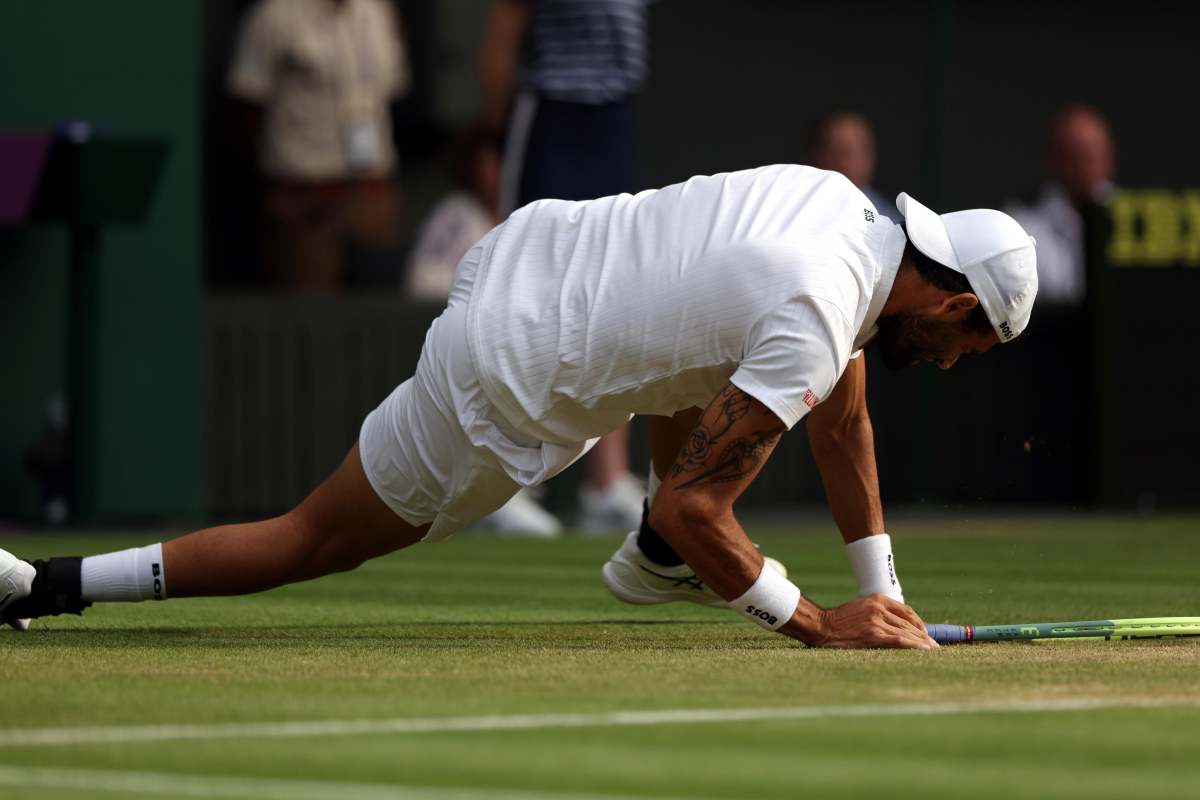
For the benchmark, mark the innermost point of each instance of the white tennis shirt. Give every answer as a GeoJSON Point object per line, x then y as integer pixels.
{"type": "Point", "coordinates": [584, 313]}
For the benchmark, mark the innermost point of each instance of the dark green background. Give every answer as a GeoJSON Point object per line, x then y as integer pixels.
{"type": "Point", "coordinates": [131, 67]}
{"type": "Point", "coordinates": [960, 94]}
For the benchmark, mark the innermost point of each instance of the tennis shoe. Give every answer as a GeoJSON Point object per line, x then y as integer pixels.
{"type": "Point", "coordinates": [16, 582]}
{"type": "Point", "coordinates": [633, 578]}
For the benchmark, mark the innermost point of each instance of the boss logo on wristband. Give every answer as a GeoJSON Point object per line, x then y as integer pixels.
{"type": "Point", "coordinates": [770, 602]}
{"type": "Point", "coordinates": [765, 616]}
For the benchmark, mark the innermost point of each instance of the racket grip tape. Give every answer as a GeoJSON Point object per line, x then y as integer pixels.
{"type": "Point", "coordinates": [950, 634]}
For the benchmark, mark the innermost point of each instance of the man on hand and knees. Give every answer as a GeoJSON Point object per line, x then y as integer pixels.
{"type": "Point", "coordinates": [748, 294]}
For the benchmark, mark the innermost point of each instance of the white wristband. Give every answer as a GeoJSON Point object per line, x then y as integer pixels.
{"type": "Point", "coordinates": [770, 602]}
{"type": "Point", "coordinates": [875, 567]}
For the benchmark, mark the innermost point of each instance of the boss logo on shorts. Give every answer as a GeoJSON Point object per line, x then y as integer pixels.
{"type": "Point", "coordinates": [765, 616]}
{"type": "Point", "coordinates": [156, 571]}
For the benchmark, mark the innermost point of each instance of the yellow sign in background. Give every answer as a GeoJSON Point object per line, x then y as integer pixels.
{"type": "Point", "coordinates": [1155, 228]}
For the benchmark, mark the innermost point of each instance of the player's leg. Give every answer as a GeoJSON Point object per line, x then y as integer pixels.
{"type": "Point", "coordinates": [339, 526]}
{"type": "Point", "coordinates": [336, 528]}
{"type": "Point", "coordinates": [427, 475]}
{"type": "Point", "coordinates": [667, 436]}
{"type": "Point", "coordinates": [646, 569]}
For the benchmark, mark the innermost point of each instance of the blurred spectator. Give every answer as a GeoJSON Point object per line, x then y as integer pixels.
{"type": "Point", "coordinates": [844, 142]}
{"type": "Point", "coordinates": [564, 74]}
{"type": "Point", "coordinates": [459, 220]}
{"type": "Point", "coordinates": [1080, 160]}
{"type": "Point", "coordinates": [316, 78]}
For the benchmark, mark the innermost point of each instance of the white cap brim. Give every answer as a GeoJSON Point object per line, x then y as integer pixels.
{"type": "Point", "coordinates": [990, 248]}
{"type": "Point", "coordinates": [927, 232]}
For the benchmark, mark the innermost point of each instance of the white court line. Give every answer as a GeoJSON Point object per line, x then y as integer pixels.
{"type": "Point", "coordinates": [34, 737]}
{"type": "Point", "coordinates": [96, 780]}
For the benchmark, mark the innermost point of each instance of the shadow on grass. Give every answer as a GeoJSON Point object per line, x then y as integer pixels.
{"type": "Point", "coordinates": [560, 623]}
{"type": "Point", "coordinates": [443, 634]}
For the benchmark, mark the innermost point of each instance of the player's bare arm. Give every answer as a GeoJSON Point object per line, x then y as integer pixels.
{"type": "Point", "coordinates": [739, 456]}
{"type": "Point", "coordinates": [694, 507]}
{"type": "Point", "coordinates": [843, 445]}
{"type": "Point", "coordinates": [693, 510]}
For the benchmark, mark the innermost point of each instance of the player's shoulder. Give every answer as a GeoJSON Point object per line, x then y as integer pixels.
{"type": "Point", "coordinates": [803, 269]}
{"type": "Point", "coordinates": [775, 185]}
{"type": "Point", "coordinates": [820, 193]}
{"type": "Point", "coordinates": [802, 254]}
{"type": "Point", "coordinates": [826, 180]}
{"type": "Point", "coordinates": [784, 172]}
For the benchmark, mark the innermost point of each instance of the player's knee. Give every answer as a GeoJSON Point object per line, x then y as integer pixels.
{"type": "Point", "coordinates": [301, 536]}
{"type": "Point", "coordinates": [339, 557]}
{"type": "Point", "coordinates": [319, 545]}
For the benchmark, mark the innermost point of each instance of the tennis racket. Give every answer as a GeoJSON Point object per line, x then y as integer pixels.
{"type": "Point", "coordinates": [1144, 628]}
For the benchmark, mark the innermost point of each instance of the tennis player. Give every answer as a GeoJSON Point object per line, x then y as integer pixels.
{"type": "Point", "coordinates": [727, 308]}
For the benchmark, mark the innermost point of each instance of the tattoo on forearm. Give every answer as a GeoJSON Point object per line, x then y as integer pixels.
{"type": "Point", "coordinates": [737, 457]}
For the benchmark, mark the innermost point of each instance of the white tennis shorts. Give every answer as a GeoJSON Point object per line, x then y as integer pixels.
{"type": "Point", "coordinates": [436, 450]}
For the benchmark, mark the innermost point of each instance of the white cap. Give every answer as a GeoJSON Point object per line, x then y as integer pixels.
{"type": "Point", "coordinates": [987, 246]}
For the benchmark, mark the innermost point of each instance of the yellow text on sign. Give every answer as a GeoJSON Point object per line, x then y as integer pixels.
{"type": "Point", "coordinates": [1155, 228]}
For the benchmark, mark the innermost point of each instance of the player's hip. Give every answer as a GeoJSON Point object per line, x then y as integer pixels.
{"type": "Point", "coordinates": [438, 451]}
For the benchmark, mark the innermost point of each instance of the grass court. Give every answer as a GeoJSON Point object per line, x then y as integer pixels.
{"type": "Point", "coordinates": [492, 668]}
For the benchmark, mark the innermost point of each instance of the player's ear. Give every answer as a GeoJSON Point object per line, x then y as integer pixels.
{"type": "Point", "coordinates": [956, 307]}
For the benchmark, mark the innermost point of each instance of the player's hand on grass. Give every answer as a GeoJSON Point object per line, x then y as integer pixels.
{"type": "Point", "coordinates": [872, 621]}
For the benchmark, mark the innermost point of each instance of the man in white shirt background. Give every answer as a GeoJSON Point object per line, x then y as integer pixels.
{"type": "Point", "coordinates": [314, 79]}
{"type": "Point", "coordinates": [1080, 163]}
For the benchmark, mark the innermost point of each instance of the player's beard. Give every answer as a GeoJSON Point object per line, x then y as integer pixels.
{"type": "Point", "coordinates": [906, 339]}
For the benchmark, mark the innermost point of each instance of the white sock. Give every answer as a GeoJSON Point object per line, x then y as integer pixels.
{"type": "Point", "coordinates": [128, 575]}
{"type": "Point", "coordinates": [875, 567]}
{"type": "Point", "coordinates": [652, 483]}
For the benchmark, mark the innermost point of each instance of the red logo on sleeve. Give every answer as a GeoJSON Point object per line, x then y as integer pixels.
{"type": "Point", "coordinates": [810, 398]}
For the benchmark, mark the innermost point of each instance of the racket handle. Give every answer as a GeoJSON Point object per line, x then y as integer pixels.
{"type": "Point", "coordinates": [949, 634]}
